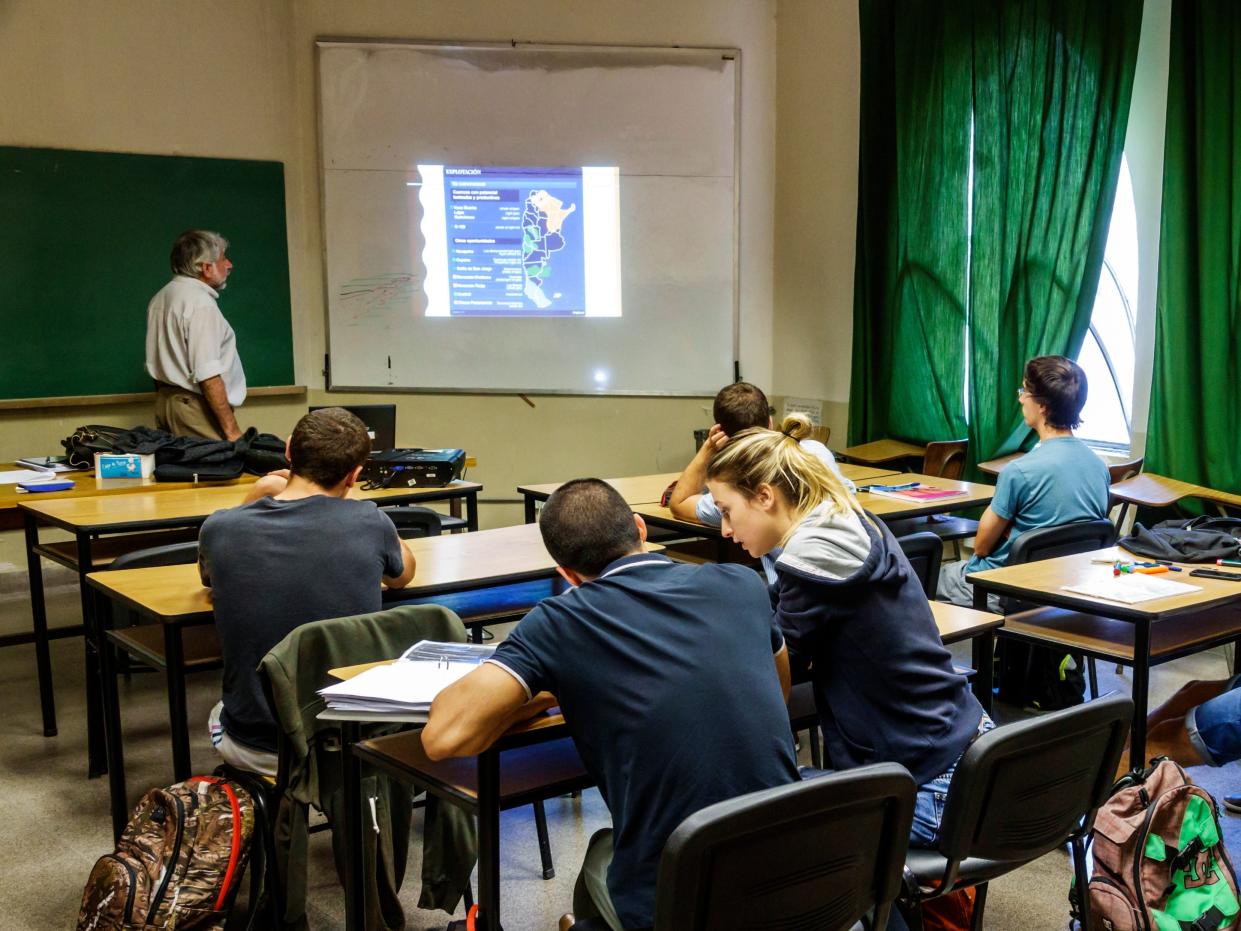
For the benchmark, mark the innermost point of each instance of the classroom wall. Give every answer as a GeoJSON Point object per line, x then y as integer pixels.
{"type": "Point", "coordinates": [236, 79]}
{"type": "Point", "coordinates": [817, 88]}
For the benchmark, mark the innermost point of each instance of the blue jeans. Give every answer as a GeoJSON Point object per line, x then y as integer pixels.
{"type": "Point", "coordinates": [1214, 727]}
{"type": "Point", "coordinates": [929, 802]}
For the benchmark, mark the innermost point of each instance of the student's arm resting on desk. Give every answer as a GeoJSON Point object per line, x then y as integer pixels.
{"type": "Point", "coordinates": [216, 396]}
{"type": "Point", "coordinates": [270, 484]}
{"type": "Point", "coordinates": [684, 501]}
{"type": "Point", "coordinates": [468, 716]}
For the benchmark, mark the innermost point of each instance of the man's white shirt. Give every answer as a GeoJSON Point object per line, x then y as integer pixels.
{"type": "Point", "coordinates": [189, 341]}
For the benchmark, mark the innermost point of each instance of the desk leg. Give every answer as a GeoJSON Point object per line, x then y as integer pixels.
{"type": "Point", "coordinates": [471, 511]}
{"type": "Point", "coordinates": [489, 840]}
{"type": "Point", "coordinates": [114, 744]}
{"type": "Point", "coordinates": [38, 609]}
{"type": "Point", "coordinates": [983, 647]}
{"type": "Point", "coordinates": [1141, 689]}
{"type": "Point", "coordinates": [355, 856]}
{"type": "Point", "coordinates": [97, 763]}
{"type": "Point", "coordinates": [531, 512]}
{"type": "Point", "coordinates": [174, 670]}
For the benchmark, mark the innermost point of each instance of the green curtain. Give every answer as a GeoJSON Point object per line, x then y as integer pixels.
{"type": "Point", "coordinates": [1194, 433]}
{"type": "Point", "coordinates": [909, 294]}
{"type": "Point", "coordinates": [1038, 94]}
{"type": "Point", "coordinates": [1052, 83]}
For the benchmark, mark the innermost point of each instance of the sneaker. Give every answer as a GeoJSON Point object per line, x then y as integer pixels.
{"type": "Point", "coordinates": [1233, 803]}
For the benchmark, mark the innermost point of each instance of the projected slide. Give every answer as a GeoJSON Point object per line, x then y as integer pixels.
{"type": "Point", "coordinates": [520, 242]}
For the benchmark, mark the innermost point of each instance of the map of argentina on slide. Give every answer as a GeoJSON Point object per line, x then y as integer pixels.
{"type": "Point", "coordinates": [519, 241]}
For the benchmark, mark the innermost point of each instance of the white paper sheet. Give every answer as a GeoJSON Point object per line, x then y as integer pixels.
{"type": "Point", "coordinates": [1131, 588]}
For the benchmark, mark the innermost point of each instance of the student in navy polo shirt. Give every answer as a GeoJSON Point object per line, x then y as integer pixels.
{"type": "Point", "coordinates": [851, 608]}
{"type": "Point", "coordinates": [672, 679]}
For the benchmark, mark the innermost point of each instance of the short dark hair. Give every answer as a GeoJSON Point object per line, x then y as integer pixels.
{"type": "Point", "coordinates": [327, 445]}
{"type": "Point", "coordinates": [740, 406]}
{"type": "Point", "coordinates": [1059, 384]}
{"type": "Point", "coordinates": [586, 525]}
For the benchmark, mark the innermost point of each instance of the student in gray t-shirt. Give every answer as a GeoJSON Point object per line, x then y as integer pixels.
{"type": "Point", "coordinates": [304, 552]}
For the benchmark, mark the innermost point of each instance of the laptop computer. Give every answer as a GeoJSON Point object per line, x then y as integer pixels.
{"type": "Point", "coordinates": [380, 420]}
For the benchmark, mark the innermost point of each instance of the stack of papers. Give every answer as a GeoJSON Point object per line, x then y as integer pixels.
{"type": "Point", "coordinates": [1131, 588]}
{"type": "Point", "coordinates": [13, 476]}
{"type": "Point", "coordinates": [409, 685]}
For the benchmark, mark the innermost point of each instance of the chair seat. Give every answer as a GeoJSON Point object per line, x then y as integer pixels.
{"type": "Point", "coordinates": [928, 867]}
{"type": "Point", "coordinates": [802, 710]}
{"type": "Point", "coordinates": [944, 527]}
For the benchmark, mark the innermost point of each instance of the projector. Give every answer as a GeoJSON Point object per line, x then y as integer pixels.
{"type": "Point", "coordinates": [413, 468]}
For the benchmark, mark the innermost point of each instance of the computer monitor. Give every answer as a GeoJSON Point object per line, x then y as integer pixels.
{"type": "Point", "coordinates": [380, 420]}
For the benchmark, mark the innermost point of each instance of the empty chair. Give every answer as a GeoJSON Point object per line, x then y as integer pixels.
{"type": "Point", "coordinates": [1019, 792]}
{"type": "Point", "coordinates": [413, 523]}
{"type": "Point", "coordinates": [819, 854]}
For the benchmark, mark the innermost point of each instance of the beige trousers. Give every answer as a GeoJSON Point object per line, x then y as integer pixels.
{"type": "Point", "coordinates": [184, 413]}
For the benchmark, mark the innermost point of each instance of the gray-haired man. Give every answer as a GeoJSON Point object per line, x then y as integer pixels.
{"type": "Point", "coordinates": [191, 350]}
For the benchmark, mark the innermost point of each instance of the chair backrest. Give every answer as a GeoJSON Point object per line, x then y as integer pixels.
{"type": "Point", "coordinates": [816, 854]}
{"type": "Point", "coordinates": [414, 522]}
{"type": "Point", "coordinates": [822, 434]}
{"type": "Point", "coordinates": [945, 458]}
{"type": "Point", "coordinates": [925, 551]}
{"type": "Point", "coordinates": [1065, 540]}
{"type": "Point", "coordinates": [172, 554]}
{"type": "Point", "coordinates": [1119, 471]}
{"type": "Point", "coordinates": [1026, 788]}
{"type": "Point", "coordinates": [297, 667]}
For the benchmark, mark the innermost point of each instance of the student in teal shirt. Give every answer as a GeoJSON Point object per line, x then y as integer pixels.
{"type": "Point", "coordinates": [1060, 481]}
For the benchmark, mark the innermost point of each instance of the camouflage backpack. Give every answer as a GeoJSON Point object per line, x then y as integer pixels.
{"type": "Point", "coordinates": [177, 862]}
{"type": "Point", "coordinates": [1159, 857]}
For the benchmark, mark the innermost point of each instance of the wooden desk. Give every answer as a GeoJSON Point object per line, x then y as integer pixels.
{"type": "Point", "coordinates": [885, 508]}
{"type": "Point", "coordinates": [175, 597]}
{"type": "Point", "coordinates": [994, 467]}
{"type": "Point", "coordinates": [90, 517]}
{"type": "Point", "coordinates": [861, 473]}
{"type": "Point", "coordinates": [1173, 626]}
{"type": "Point", "coordinates": [636, 489]}
{"type": "Point", "coordinates": [881, 451]}
{"type": "Point", "coordinates": [85, 484]}
{"type": "Point", "coordinates": [1158, 491]}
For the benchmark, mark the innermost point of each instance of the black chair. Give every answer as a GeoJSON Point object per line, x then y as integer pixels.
{"type": "Point", "coordinates": [413, 523]}
{"type": "Point", "coordinates": [924, 552]}
{"type": "Point", "coordinates": [823, 854]}
{"type": "Point", "coordinates": [1019, 792]}
{"type": "Point", "coordinates": [1050, 542]}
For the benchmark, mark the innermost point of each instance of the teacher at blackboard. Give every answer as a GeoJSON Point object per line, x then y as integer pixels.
{"type": "Point", "coordinates": [191, 350]}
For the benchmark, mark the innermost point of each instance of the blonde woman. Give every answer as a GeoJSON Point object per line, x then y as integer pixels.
{"type": "Point", "coordinates": [852, 611]}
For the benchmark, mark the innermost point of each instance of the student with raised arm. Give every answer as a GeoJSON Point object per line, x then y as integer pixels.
{"type": "Point", "coordinates": [303, 553]}
{"type": "Point", "coordinates": [853, 611]}
{"type": "Point", "coordinates": [671, 677]}
{"type": "Point", "coordinates": [1060, 481]}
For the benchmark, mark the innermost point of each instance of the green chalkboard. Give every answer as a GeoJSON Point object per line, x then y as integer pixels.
{"type": "Point", "coordinates": [84, 243]}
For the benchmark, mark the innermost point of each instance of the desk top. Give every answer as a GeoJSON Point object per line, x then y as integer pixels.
{"type": "Point", "coordinates": [996, 466]}
{"type": "Point", "coordinates": [860, 473]}
{"type": "Point", "coordinates": [635, 489]}
{"type": "Point", "coordinates": [976, 495]}
{"type": "Point", "coordinates": [447, 563]}
{"type": "Point", "coordinates": [87, 485]}
{"type": "Point", "coordinates": [1043, 582]}
{"type": "Point", "coordinates": [176, 507]}
{"type": "Point", "coordinates": [956, 623]}
{"type": "Point", "coordinates": [880, 451]}
{"type": "Point", "coordinates": [1151, 490]}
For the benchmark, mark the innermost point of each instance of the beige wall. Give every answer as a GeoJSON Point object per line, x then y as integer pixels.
{"type": "Point", "coordinates": [817, 91]}
{"type": "Point", "coordinates": [236, 78]}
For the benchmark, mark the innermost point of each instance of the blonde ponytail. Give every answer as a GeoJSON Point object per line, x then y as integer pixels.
{"type": "Point", "coordinates": [757, 457]}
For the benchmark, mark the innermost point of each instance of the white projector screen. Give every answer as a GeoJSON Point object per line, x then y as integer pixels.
{"type": "Point", "coordinates": [535, 219]}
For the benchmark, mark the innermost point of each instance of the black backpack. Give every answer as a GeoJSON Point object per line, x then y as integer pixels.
{"type": "Point", "coordinates": [1038, 677]}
